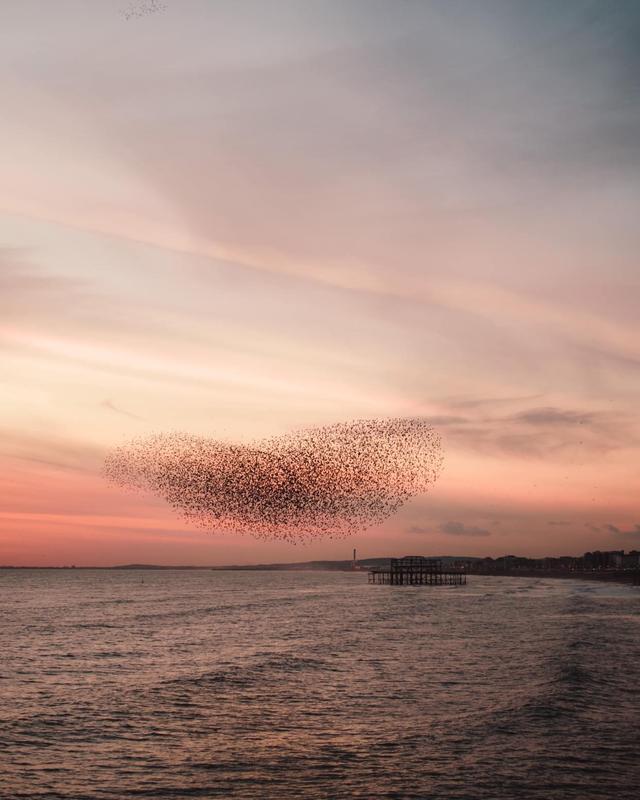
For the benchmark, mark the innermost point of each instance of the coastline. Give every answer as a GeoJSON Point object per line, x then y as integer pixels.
{"type": "Point", "coordinates": [628, 577]}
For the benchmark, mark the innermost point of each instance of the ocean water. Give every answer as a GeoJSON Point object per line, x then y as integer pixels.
{"type": "Point", "coordinates": [180, 684]}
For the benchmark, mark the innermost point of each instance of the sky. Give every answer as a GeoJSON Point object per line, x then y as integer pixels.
{"type": "Point", "coordinates": [240, 219]}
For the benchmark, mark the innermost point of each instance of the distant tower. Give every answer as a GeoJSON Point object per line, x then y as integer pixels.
{"type": "Point", "coordinates": [353, 563]}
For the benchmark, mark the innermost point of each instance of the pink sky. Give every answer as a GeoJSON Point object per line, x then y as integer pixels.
{"type": "Point", "coordinates": [241, 221]}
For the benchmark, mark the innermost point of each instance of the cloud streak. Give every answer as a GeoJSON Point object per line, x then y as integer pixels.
{"type": "Point", "coordinates": [542, 432]}
{"type": "Point", "coordinates": [451, 528]}
{"type": "Point", "coordinates": [635, 531]}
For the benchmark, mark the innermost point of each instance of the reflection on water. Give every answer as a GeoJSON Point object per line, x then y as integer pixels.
{"type": "Point", "coordinates": [315, 685]}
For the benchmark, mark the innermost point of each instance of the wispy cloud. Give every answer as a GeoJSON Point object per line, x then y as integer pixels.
{"type": "Point", "coordinates": [541, 432]}
{"type": "Point", "coordinates": [451, 529]}
{"type": "Point", "coordinates": [614, 529]}
{"type": "Point", "coordinates": [112, 407]}
{"type": "Point", "coordinates": [635, 531]}
{"type": "Point", "coordinates": [46, 448]}
{"type": "Point", "coordinates": [549, 416]}
{"type": "Point", "coordinates": [28, 290]}
{"type": "Point", "coordinates": [593, 528]}
{"type": "Point", "coordinates": [460, 529]}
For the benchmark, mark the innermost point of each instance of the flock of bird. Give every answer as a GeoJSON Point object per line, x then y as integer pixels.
{"type": "Point", "coordinates": [143, 8]}
{"type": "Point", "coordinates": [330, 481]}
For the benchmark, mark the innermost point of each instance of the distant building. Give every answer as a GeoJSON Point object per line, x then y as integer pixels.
{"type": "Point", "coordinates": [631, 560]}
{"type": "Point", "coordinates": [603, 559]}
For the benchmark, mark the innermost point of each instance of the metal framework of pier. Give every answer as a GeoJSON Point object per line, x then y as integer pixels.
{"type": "Point", "coordinates": [417, 571]}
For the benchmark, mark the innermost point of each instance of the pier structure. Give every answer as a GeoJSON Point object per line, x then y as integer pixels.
{"type": "Point", "coordinates": [417, 571]}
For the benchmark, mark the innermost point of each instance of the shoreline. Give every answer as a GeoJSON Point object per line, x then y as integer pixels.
{"type": "Point", "coordinates": [628, 577]}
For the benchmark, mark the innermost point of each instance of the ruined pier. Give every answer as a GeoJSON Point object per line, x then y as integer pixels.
{"type": "Point", "coordinates": [417, 571]}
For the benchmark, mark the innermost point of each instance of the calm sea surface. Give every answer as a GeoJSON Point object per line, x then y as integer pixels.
{"type": "Point", "coordinates": [316, 685]}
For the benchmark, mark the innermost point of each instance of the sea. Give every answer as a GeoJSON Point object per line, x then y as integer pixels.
{"type": "Point", "coordinates": [261, 685]}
